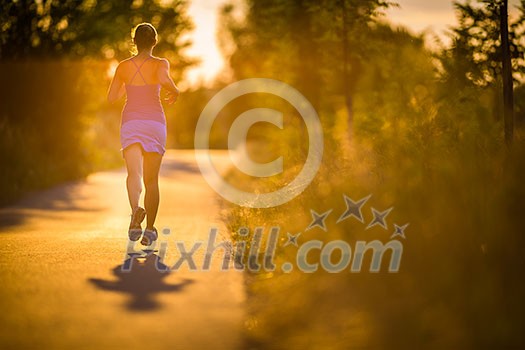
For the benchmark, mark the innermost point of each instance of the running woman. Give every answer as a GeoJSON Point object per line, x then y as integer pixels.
{"type": "Point", "coordinates": [143, 126]}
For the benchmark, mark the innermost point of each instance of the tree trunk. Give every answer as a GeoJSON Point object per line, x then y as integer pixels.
{"type": "Point", "coordinates": [508, 93]}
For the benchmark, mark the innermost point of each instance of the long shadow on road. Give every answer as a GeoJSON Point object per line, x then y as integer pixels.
{"type": "Point", "coordinates": [67, 197]}
{"type": "Point", "coordinates": [142, 282]}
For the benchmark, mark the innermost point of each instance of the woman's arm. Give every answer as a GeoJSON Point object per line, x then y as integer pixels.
{"type": "Point", "coordinates": [166, 81]}
{"type": "Point", "coordinates": [116, 89]}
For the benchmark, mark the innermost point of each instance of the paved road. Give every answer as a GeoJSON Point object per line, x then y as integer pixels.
{"type": "Point", "coordinates": [62, 285]}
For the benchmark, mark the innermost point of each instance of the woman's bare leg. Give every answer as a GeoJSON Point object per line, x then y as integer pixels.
{"type": "Point", "coordinates": [152, 162]}
{"type": "Point", "coordinates": [133, 157]}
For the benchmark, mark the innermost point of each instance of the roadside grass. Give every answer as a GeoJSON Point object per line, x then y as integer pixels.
{"type": "Point", "coordinates": [459, 284]}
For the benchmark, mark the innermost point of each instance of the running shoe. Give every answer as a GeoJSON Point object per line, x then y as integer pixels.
{"type": "Point", "coordinates": [149, 237]}
{"type": "Point", "coordinates": [135, 229]}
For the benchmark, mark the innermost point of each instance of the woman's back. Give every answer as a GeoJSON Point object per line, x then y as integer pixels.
{"type": "Point", "coordinates": [141, 71]}
{"type": "Point", "coordinates": [141, 79]}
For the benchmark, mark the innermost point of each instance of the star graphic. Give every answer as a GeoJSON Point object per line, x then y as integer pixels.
{"type": "Point", "coordinates": [292, 239]}
{"type": "Point", "coordinates": [318, 219]}
{"type": "Point", "coordinates": [399, 231]}
{"type": "Point", "coordinates": [353, 208]}
{"type": "Point", "coordinates": [379, 218]}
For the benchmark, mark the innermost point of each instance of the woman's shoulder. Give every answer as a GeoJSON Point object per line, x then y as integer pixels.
{"type": "Point", "coordinates": [124, 62]}
{"type": "Point", "coordinates": [160, 59]}
{"type": "Point", "coordinates": [154, 58]}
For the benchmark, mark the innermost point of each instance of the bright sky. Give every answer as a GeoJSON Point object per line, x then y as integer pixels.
{"type": "Point", "coordinates": [204, 14]}
{"type": "Point", "coordinates": [433, 16]}
{"type": "Point", "coordinates": [417, 15]}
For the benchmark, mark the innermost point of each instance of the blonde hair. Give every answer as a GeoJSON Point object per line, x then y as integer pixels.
{"type": "Point", "coordinates": [144, 36]}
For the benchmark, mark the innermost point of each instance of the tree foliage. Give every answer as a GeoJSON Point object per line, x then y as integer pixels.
{"type": "Point", "coordinates": [428, 141]}
{"type": "Point", "coordinates": [301, 41]}
{"type": "Point", "coordinates": [475, 54]}
{"type": "Point", "coordinates": [55, 59]}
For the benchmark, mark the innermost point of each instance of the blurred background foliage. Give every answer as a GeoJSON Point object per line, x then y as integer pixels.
{"type": "Point", "coordinates": [56, 62]}
{"type": "Point", "coordinates": [417, 124]}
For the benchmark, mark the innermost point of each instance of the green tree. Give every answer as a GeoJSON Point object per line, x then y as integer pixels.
{"type": "Point", "coordinates": [473, 65]}
{"type": "Point", "coordinates": [316, 45]}
{"type": "Point", "coordinates": [54, 61]}
{"type": "Point", "coordinates": [98, 29]}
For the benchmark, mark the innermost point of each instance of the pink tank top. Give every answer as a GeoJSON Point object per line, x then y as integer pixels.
{"type": "Point", "coordinates": [143, 101]}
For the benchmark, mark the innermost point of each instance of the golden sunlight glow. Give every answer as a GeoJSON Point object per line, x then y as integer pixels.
{"type": "Point", "coordinates": [111, 69]}
{"type": "Point", "coordinates": [433, 16]}
{"type": "Point", "coordinates": [418, 15]}
{"type": "Point", "coordinates": [204, 14]}
{"type": "Point", "coordinates": [415, 14]}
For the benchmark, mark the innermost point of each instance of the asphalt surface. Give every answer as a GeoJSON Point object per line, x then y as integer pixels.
{"type": "Point", "coordinates": [62, 283]}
